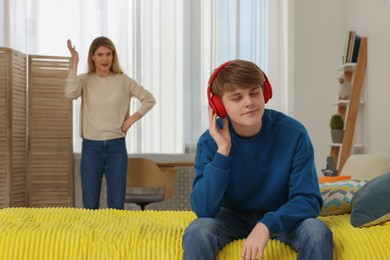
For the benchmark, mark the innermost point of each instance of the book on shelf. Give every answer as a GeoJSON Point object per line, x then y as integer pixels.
{"type": "Point", "coordinates": [346, 46]}
{"type": "Point", "coordinates": [351, 47]}
{"type": "Point", "coordinates": [355, 49]}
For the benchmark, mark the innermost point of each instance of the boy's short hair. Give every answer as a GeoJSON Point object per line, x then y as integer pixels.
{"type": "Point", "coordinates": [237, 74]}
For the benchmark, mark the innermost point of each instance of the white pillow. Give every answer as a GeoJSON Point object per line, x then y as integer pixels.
{"type": "Point", "coordinates": [366, 165]}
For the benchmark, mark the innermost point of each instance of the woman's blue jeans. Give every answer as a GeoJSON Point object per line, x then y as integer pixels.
{"type": "Point", "coordinates": [204, 237]}
{"type": "Point", "coordinates": [107, 158]}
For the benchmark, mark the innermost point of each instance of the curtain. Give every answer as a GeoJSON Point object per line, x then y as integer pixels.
{"type": "Point", "coordinates": [233, 29]}
{"type": "Point", "coordinates": [168, 46]}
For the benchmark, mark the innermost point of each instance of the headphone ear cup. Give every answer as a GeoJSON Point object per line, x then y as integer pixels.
{"type": "Point", "coordinates": [213, 107]}
{"type": "Point", "coordinates": [214, 101]}
{"type": "Point", "coordinates": [267, 89]}
{"type": "Point", "coordinates": [217, 106]}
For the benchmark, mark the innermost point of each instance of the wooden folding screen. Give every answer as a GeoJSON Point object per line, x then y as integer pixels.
{"type": "Point", "coordinates": [12, 128]}
{"type": "Point", "coordinates": [50, 150]}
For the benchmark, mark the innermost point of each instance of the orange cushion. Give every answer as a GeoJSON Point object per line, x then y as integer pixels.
{"type": "Point", "coordinates": [333, 178]}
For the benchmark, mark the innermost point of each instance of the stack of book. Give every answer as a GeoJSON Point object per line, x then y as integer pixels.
{"type": "Point", "coordinates": [351, 47]}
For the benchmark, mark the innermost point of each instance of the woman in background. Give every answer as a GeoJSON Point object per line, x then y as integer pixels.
{"type": "Point", "coordinates": [105, 118]}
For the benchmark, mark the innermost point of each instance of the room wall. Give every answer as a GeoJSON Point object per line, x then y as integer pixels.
{"type": "Point", "coordinates": [319, 30]}
{"type": "Point", "coordinates": [372, 18]}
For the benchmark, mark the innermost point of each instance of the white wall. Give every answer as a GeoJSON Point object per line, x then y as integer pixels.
{"type": "Point", "coordinates": [372, 18]}
{"type": "Point", "coordinates": [320, 28]}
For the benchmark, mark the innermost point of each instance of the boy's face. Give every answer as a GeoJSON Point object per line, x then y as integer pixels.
{"type": "Point", "coordinates": [245, 107]}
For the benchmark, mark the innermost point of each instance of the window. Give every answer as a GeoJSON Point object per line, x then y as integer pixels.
{"type": "Point", "coordinates": [170, 47]}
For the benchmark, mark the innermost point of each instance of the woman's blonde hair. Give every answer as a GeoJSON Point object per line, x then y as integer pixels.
{"type": "Point", "coordinates": [105, 42]}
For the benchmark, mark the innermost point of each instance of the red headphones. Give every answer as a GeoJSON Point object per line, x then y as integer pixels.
{"type": "Point", "coordinates": [216, 103]}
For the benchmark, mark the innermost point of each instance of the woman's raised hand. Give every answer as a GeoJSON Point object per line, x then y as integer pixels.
{"type": "Point", "coordinates": [75, 55]}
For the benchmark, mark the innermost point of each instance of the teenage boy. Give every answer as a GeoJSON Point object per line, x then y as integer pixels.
{"type": "Point", "coordinates": [255, 174]}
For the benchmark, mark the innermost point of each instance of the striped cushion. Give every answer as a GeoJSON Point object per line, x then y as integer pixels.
{"type": "Point", "coordinates": [337, 196]}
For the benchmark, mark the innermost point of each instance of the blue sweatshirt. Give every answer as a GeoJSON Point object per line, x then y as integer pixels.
{"type": "Point", "coordinates": [272, 172]}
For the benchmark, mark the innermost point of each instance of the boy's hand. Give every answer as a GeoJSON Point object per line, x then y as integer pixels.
{"type": "Point", "coordinates": [255, 243]}
{"type": "Point", "coordinates": [220, 136]}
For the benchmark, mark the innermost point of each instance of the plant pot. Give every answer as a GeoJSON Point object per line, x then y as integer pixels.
{"type": "Point", "coordinates": [337, 135]}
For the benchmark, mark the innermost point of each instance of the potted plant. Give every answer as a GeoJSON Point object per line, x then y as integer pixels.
{"type": "Point", "coordinates": [337, 128]}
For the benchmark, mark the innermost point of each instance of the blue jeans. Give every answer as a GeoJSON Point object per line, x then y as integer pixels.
{"type": "Point", "coordinates": [204, 237]}
{"type": "Point", "coordinates": [107, 157]}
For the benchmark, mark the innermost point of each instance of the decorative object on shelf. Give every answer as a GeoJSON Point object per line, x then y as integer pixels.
{"type": "Point", "coordinates": [330, 163]}
{"type": "Point", "coordinates": [345, 87]}
{"type": "Point", "coordinates": [337, 128]}
{"type": "Point", "coordinates": [330, 170]}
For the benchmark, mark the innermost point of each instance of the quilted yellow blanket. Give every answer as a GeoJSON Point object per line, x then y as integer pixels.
{"type": "Point", "coordinates": [69, 233]}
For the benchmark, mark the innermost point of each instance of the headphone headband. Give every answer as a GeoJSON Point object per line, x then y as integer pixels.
{"type": "Point", "coordinates": [216, 71]}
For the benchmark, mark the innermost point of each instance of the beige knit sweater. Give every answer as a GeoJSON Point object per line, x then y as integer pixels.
{"type": "Point", "coordinates": [105, 102]}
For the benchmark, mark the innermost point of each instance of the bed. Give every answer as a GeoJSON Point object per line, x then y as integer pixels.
{"type": "Point", "coordinates": [357, 213]}
{"type": "Point", "coordinates": [70, 233]}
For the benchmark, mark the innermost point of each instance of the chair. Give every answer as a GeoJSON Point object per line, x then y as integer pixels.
{"type": "Point", "coordinates": [147, 183]}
